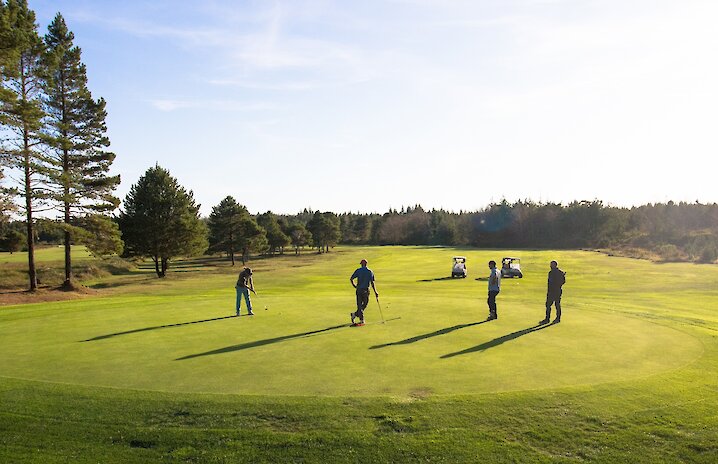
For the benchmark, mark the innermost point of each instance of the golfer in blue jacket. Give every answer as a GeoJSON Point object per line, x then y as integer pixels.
{"type": "Point", "coordinates": [364, 278]}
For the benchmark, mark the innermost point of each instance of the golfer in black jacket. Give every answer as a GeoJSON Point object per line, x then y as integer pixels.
{"type": "Point", "coordinates": [556, 279]}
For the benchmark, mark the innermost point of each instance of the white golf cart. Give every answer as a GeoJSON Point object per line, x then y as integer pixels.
{"type": "Point", "coordinates": [511, 267]}
{"type": "Point", "coordinates": [459, 268]}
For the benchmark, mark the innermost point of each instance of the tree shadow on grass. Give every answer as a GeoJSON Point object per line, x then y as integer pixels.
{"type": "Point", "coordinates": [145, 329]}
{"type": "Point", "coordinates": [498, 341]}
{"type": "Point", "coordinates": [427, 335]}
{"type": "Point", "coordinates": [256, 343]}
{"type": "Point", "coordinates": [131, 279]}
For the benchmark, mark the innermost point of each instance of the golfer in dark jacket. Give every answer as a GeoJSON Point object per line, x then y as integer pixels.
{"type": "Point", "coordinates": [365, 278]}
{"type": "Point", "coordinates": [556, 279]}
{"type": "Point", "coordinates": [494, 289]}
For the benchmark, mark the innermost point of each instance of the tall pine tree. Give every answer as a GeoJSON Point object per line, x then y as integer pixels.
{"type": "Point", "coordinates": [75, 131]}
{"type": "Point", "coordinates": [21, 111]}
{"type": "Point", "coordinates": [226, 227]}
{"type": "Point", "coordinates": [161, 220]}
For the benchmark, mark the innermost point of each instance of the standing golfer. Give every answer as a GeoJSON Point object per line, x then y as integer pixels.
{"type": "Point", "coordinates": [245, 284]}
{"type": "Point", "coordinates": [364, 277]}
{"type": "Point", "coordinates": [494, 288]}
{"type": "Point", "coordinates": [556, 279]}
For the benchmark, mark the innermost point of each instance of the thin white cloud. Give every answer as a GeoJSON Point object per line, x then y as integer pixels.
{"type": "Point", "coordinates": [258, 85]}
{"type": "Point", "coordinates": [169, 105]}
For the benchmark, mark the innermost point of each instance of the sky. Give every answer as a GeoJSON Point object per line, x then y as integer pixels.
{"type": "Point", "coordinates": [369, 105]}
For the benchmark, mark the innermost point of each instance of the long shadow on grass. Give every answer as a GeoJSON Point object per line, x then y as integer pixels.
{"type": "Point", "coordinates": [427, 335]}
{"type": "Point", "coordinates": [266, 341]}
{"type": "Point", "coordinates": [145, 329]}
{"type": "Point", "coordinates": [440, 278]}
{"type": "Point", "coordinates": [498, 341]}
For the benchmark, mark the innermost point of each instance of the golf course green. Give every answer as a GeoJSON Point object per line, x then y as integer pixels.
{"type": "Point", "coordinates": [629, 373]}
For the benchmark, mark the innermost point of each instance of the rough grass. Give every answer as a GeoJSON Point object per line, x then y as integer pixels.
{"type": "Point", "coordinates": [627, 377]}
{"type": "Point", "coordinates": [49, 264]}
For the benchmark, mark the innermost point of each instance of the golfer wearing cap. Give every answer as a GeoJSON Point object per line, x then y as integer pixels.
{"type": "Point", "coordinates": [364, 277]}
{"type": "Point", "coordinates": [245, 284]}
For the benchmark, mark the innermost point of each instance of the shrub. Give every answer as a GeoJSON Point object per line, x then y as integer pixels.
{"type": "Point", "coordinates": [669, 252]}
{"type": "Point", "coordinates": [709, 254]}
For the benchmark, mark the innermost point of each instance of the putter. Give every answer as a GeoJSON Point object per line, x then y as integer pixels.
{"type": "Point", "coordinates": [380, 313]}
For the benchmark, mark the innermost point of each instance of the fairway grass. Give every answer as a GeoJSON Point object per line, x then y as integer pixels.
{"type": "Point", "coordinates": [628, 375]}
{"type": "Point", "coordinates": [47, 254]}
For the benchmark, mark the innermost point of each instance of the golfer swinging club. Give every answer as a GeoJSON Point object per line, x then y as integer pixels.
{"type": "Point", "coordinates": [245, 284]}
{"type": "Point", "coordinates": [364, 277]}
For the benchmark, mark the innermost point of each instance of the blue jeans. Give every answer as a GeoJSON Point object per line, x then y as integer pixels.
{"type": "Point", "coordinates": [243, 291]}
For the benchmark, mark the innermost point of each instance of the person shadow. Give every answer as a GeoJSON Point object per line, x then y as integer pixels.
{"type": "Point", "coordinates": [436, 333]}
{"type": "Point", "coordinates": [257, 343]}
{"type": "Point", "coordinates": [498, 341]}
{"type": "Point", "coordinates": [156, 327]}
{"type": "Point", "coordinates": [440, 278]}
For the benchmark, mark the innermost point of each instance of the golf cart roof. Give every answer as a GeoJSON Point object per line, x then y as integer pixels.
{"type": "Point", "coordinates": [459, 257]}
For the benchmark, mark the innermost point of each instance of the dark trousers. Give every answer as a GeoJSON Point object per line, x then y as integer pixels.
{"type": "Point", "coordinates": [362, 302]}
{"type": "Point", "coordinates": [491, 301]}
{"type": "Point", "coordinates": [553, 298]}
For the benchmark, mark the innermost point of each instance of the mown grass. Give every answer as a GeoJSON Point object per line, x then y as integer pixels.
{"type": "Point", "coordinates": [155, 371]}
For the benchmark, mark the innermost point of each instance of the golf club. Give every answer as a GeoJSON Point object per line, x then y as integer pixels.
{"type": "Point", "coordinates": [378, 304]}
{"type": "Point", "coordinates": [260, 301]}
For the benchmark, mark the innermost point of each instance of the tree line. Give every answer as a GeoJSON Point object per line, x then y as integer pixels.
{"type": "Point", "coordinates": [54, 153]}
{"type": "Point", "coordinates": [669, 231]}
{"type": "Point", "coordinates": [161, 220]}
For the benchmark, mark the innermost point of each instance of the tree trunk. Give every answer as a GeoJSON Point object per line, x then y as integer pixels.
{"type": "Point", "coordinates": [68, 251]}
{"type": "Point", "coordinates": [231, 246]}
{"type": "Point", "coordinates": [28, 207]}
{"type": "Point", "coordinates": [31, 252]}
{"type": "Point", "coordinates": [157, 266]}
{"type": "Point", "coordinates": [164, 266]}
{"type": "Point", "coordinates": [67, 285]}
